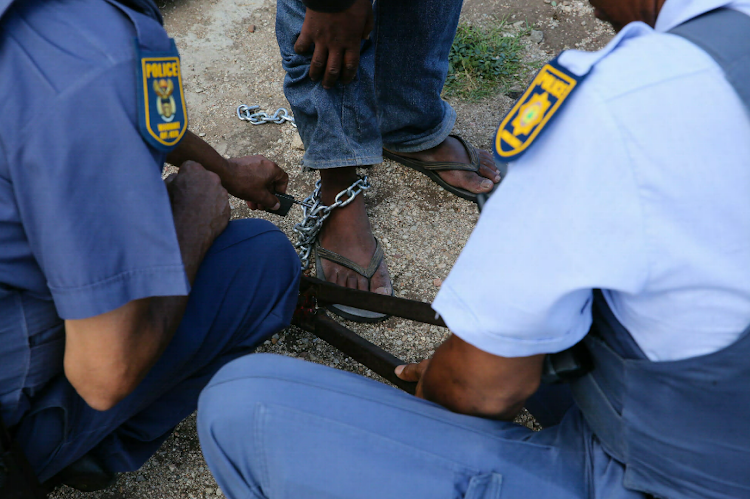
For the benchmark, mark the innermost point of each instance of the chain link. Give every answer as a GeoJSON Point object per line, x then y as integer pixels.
{"type": "Point", "coordinates": [315, 213]}
{"type": "Point", "coordinates": [251, 114]}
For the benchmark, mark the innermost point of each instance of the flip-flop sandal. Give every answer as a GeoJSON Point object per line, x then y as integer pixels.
{"type": "Point", "coordinates": [351, 313]}
{"type": "Point", "coordinates": [430, 167]}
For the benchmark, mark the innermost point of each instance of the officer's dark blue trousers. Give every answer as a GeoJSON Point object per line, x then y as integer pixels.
{"type": "Point", "coordinates": [245, 291]}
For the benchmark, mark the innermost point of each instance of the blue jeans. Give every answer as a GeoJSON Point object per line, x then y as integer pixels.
{"type": "Point", "coordinates": [394, 101]}
{"type": "Point", "coordinates": [245, 290]}
{"type": "Point", "coordinates": [275, 427]}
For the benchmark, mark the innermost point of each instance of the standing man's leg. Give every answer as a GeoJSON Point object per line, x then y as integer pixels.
{"type": "Point", "coordinates": [339, 129]}
{"type": "Point", "coordinates": [398, 95]}
{"type": "Point", "coordinates": [413, 40]}
{"type": "Point", "coordinates": [245, 290]}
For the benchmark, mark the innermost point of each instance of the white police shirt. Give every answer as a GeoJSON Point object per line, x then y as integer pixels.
{"type": "Point", "coordinates": [641, 186]}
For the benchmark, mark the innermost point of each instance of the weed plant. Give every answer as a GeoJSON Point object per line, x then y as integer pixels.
{"type": "Point", "coordinates": [483, 61]}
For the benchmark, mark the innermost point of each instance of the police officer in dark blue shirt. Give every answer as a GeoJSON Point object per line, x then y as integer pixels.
{"type": "Point", "coordinates": [120, 296]}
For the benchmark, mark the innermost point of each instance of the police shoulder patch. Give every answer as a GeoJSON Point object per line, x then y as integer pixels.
{"type": "Point", "coordinates": [534, 110]}
{"type": "Point", "coordinates": [162, 112]}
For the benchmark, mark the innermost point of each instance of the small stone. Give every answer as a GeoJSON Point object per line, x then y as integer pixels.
{"type": "Point", "coordinates": [209, 491]}
{"type": "Point", "coordinates": [547, 1]}
{"type": "Point", "coordinates": [441, 265]}
{"type": "Point", "coordinates": [297, 143]}
{"type": "Point", "coordinates": [198, 90]}
{"type": "Point", "coordinates": [218, 492]}
{"type": "Point", "coordinates": [140, 478]}
{"type": "Point", "coordinates": [536, 36]}
{"type": "Point", "coordinates": [251, 28]}
{"type": "Point", "coordinates": [518, 24]}
{"type": "Point", "coordinates": [567, 8]}
{"type": "Point", "coordinates": [202, 134]}
{"type": "Point", "coordinates": [274, 341]}
{"type": "Point", "coordinates": [437, 282]}
{"type": "Point", "coordinates": [583, 23]}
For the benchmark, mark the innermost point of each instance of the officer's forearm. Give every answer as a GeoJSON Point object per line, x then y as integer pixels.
{"type": "Point", "coordinates": [108, 355]}
{"type": "Point", "coordinates": [194, 148]}
{"type": "Point", "coordinates": [470, 381]}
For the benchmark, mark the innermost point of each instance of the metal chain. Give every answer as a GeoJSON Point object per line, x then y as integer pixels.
{"type": "Point", "coordinates": [315, 213]}
{"type": "Point", "coordinates": [246, 113]}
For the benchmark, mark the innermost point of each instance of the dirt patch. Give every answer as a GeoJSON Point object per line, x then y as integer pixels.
{"type": "Point", "coordinates": [230, 57]}
{"type": "Point", "coordinates": [570, 24]}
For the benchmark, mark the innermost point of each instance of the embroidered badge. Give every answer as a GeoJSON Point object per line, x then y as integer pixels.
{"type": "Point", "coordinates": [533, 111]}
{"type": "Point", "coordinates": [163, 113]}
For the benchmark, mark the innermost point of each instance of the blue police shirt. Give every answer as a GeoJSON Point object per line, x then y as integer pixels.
{"type": "Point", "coordinates": [85, 220]}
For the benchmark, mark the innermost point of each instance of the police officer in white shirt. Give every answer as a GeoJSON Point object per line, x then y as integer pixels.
{"type": "Point", "coordinates": [629, 173]}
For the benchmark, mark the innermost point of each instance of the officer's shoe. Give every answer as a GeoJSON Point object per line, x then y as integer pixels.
{"type": "Point", "coordinates": [87, 475]}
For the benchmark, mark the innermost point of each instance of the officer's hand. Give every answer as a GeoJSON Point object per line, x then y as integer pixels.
{"type": "Point", "coordinates": [200, 205]}
{"type": "Point", "coordinates": [413, 373]}
{"type": "Point", "coordinates": [336, 40]}
{"type": "Point", "coordinates": [255, 179]}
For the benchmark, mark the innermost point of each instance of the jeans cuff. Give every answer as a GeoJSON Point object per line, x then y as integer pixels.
{"type": "Point", "coordinates": [341, 162]}
{"type": "Point", "coordinates": [430, 139]}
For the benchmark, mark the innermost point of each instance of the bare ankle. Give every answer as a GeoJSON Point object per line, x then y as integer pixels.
{"type": "Point", "coordinates": [338, 177]}
{"type": "Point", "coordinates": [335, 180]}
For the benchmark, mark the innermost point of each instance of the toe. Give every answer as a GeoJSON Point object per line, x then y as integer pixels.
{"type": "Point", "coordinates": [351, 281]}
{"type": "Point", "coordinates": [328, 271]}
{"type": "Point", "coordinates": [339, 276]}
{"type": "Point", "coordinates": [362, 283]}
{"type": "Point", "coordinates": [489, 173]}
{"type": "Point", "coordinates": [381, 281]}
{"type": "Point", "coordinates": [478, 184]}
{"type": "Point", "coordinates": [487, 167]}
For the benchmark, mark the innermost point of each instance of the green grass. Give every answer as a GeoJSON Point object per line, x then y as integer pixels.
{"type": "Point", "coordinates": [483, 62]}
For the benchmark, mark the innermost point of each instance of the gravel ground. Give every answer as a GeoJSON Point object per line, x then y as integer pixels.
{"type": "Point", "coordinates": [230, 57]}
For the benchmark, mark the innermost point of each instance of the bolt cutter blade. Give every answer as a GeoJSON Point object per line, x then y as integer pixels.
{"type": "Point", "coordinates": [356, 347]}
{"type": "Point", "coordinates": [327, 293]}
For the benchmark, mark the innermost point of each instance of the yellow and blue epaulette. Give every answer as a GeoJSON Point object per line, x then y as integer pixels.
{"type": "Point", "coordinates": [534, 110]}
